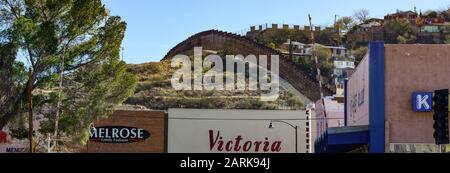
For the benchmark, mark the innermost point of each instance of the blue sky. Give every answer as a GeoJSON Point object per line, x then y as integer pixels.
{"type": "Point", "coordinates": [155, 26]}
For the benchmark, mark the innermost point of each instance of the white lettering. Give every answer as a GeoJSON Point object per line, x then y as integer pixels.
{"type": "Point", "coordinates": [115, 133]}
{"type": "Point", "coordinates": [140, 133]}
{"type": "Point", "coordinates": [422, 102]}
{"type": "Point", "coordinates": [235, 74]}
{"type": "Point", "coordinates": [122, 135]}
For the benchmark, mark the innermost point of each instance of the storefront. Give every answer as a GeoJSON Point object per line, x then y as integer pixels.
{"type": "Point", "coordinates": [379, 111]}
{"type": "Point", "coordinates": [10, 145]}
{"type": "Point", "coordinates": [129, 132]}
{"type": "Point", "coordinates": [237, 131]}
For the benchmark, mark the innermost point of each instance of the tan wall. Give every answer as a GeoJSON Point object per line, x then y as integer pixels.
{"type": "Point", "coordinates": [151, 121]}
{"type": "Point", "coordinates": [413, 68]}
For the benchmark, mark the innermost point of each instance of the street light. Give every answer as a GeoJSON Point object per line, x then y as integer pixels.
{"type": "Point", "coordinates": [271, 126]}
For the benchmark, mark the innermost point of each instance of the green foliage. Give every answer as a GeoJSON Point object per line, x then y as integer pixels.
{"type": "Point", "coordinates": [83, 34]}
{"type": "Point", "coordinates": [326, 68]}
{"type": "Point", "coordinates": [359, 54]}
{"type": "Point", "coordinates": [272, 45]}
{"type": "Point", "coordinates": [326, 63]}
{"type": "Point", "coordinates": [447, 39]}
{"type": "Point", "coordinates": [345, 23]}
{"type": "Point", "coordinates": [399, 31]}
{"type": "Point", "coordinates": [431, 14]}
{"type": "Point", "coordinates": [323, 54]}
{"type": "Point", "coordinates": [280, 36]}
{"type": "Point", "coordinates": [154, 91]}
{"type": "Point", "coordinates": [327, 37]}
{"type": "Point", "coordinates": [294, 101]}
{"type": "Point", "coordinates": [406, 38]}
{"type": "Point", "coordinates": [19, 133]}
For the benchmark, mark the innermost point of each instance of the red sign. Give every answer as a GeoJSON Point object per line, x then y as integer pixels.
{"type": "Point", "coordinates": [3, 137]}
{"type": "Point", "coordinates": [239, 144]}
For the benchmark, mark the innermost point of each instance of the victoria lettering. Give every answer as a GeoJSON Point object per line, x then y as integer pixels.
{"type": "Point", "coordinates": [238, 144]}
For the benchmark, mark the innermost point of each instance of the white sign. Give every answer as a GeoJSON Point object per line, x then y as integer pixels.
{"type": "Point", "coordinates": [235, 131]}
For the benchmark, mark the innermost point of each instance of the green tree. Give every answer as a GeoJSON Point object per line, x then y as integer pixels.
{"type": "Point", "coordinates": [359, 54]}
{"type": "Point", "coordinates": [272, 45]}
{"type": "Point", "coordinates": [431, 14]}
{"type": "Point", "coordinates": [12, 77]}
{"type": "Point", "coordinates": [345, 23]}
{"type": "Point", "coordinates": [280, 36]}
{"type": "Point", "coordinates": [77, 37]}
{"type": "Point", "coordinates": [326, 63]}
{"type": "Point", "coordinates": [447, 39]}
{"type": "Point", "coordinates": [323, 54]}
{"type": "Point", "coordinates": [399, 31]}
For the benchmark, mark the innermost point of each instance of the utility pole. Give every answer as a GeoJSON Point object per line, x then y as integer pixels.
{"type": "Point", "coordinates": [30, 109]}
{"type": "Point", "coordinates": [338, 29]}
{"type": "Point", "coordinates": [316, 59]}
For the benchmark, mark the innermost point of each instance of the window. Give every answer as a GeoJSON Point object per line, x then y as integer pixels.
{"type": "Point", "coordinates": [307, 124]}
{"type": "Point", "coordinates": [307, 147]}
{"type": "Point", "coordinates": [307, 129]}
{"type": "Point", "coordinates": [307, 135]}
{"type": "Point", "coordinates": [307, 141]}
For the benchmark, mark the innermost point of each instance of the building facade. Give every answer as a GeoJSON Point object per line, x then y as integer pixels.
{"type": "Point", "coordinates": [379, 113]}
{"type": "Point", "coordinates": [129, 132]}
{"type": "Point", "coordinates": [332, 115]}
{"type": "Point", "coordinates": [238, 131]}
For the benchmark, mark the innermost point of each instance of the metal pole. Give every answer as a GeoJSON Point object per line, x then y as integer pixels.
{"type": "Point", "coordinates": [296, 139]}
{"type": "Point", "coordinates": [319, 75]}
{"type": "Point", "coordinates": [310, 131]}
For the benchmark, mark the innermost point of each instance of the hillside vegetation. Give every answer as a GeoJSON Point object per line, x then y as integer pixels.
{"type": "Point", "coordinates": [154, 91]}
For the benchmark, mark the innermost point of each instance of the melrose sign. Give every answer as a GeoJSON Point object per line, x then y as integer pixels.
{"type": "Point", "coordinates": [118, 134]}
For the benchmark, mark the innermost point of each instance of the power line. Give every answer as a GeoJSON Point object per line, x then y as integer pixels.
{"type": "Point", "coordinates": [235, 119]}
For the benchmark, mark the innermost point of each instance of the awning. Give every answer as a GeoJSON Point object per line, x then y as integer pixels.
{"type": "Point", "coordinates": [342, 139]}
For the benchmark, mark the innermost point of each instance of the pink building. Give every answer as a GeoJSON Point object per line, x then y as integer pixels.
{"type": "Point", "coordinates": [334, 115]}
{"type": "Point", "coordinates": [381, 113]}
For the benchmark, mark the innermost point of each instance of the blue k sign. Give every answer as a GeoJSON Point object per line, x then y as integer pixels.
{"type": "Point", "coordinates": [423, 101]}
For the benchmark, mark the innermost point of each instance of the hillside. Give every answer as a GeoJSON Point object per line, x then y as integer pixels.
{"type": "Point", "coordinates": [154, 91]}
